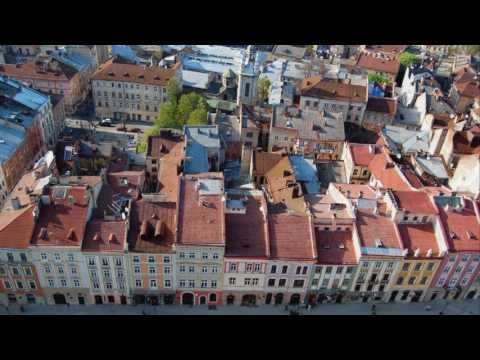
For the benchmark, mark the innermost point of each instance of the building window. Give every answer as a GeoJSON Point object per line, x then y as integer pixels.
{"type": "Point", "coordinates": [215, 256]}
{"type": "Point", "coordinates": [424, 280]}
{"type": "Point", "coordinates": [138, 283]}
{"type": "Point", "coordinates": [233, 267]}
{"type": "Point", "coordinates": [378, 265]}
{"type": "Point", "coordinates": [181, 283]}
{"type": "Point", "coordinates": [400, 280]}
{"type": "Point", "coordinates": [76, 283]}
{"type": "Point", "coordinates": [204, 269]}
{"type": "Point", "coordinates": [91, 261]}
{"type": "Point", "coordinates": [7, 284]}
{"type": "Point", "coordinates": [57, 257]}
{"type": "Point", "coordinates": [328, 270]}
{"type": "Point", "coordinates": [249, 268]}
{"type": "Point", "coordinates": [271, 282]}
{"type": "Point", "coordinates": [411, 281]}
{"type": "Point", "coordinates": [405, 266]}
{"type": "Point", "coordinates": [191, 269]}
{"type": "Point", "coordinates": [23, 257]}
{"type": "Point", "coordinates": [318, 270]}
{"type": "Point", "coordinates": [247, 89]}
{"type": "Point", "coordinates": [298, 283]}
{"type": "Point", "coordinates": [418, 266]}
{"type": "Point", "coordinates": [282, 282]}
{"type": "Point", "coordinates": [273, 269]}
{"type": "Point", "coordinates": [181, 255]}
{"type": "Point", "coordinates": [214, 283]}
{"type": "Point", "coordinates": [137, 269]}
{"type": "Point", "coordinates": [339, 269]}
{"type": "Point", "coordinates": [284, 269]}
{"type": "Point", "coordinates": [246, 281]}
{"type": "Point", "coordinates": [105, 261]}
{"type": "Point", "coordinates": [63, 282]}
{"type": "Point", "coordinates": [43, 256]}
{"type": "Point", "coordinates": [15, 271]}
{"type": "Point", "coordinates": [464, 257]}
{"type": "Point", "coordinates": [27, 270]}
{"type": "Point", "coordinates": [231, 281]}
{"type": "Point", "coordinates": [191, 255]}
{"type": "Point", "coordinates": [191, 283]}
{"type": "Point", "coordinates": [2, 270]}
{"type": "Point", "coordinates": [365, 265]}
{"type": "Point", "coordinates": [181, 268]}
{"type": "Point", "coordinates": [152, 270]}
{"type": "Point", "coordinates": [118, 261]}
{"type": "Point", "coordinates": [214, 269]}
{"type": "Point", "coordinates": [167, 283]}
{"type": "Point", "coordinates": [153, 283]}
{"type": "Point", "coordinates": [299, 269]}
{"type": "Point", "coordinates": [166, 269]}
{"type": "Point", "coordinates": [151, 259]}
{"type": "Point", "coordinates": [60, 269]}
{"type": "Point", "coordinates": [350, 269]}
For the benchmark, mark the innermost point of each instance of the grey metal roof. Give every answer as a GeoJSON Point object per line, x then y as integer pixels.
{"type": "Point", "coordinates": [409, 140]}
{"type": "Point", "coordinates": [312, 125]}
{"type": "Point", "coordinates": [433, 165]}
{"type": "Point", "coordinates": [305, 172]}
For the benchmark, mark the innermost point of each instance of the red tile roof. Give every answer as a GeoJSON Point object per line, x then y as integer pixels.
{"type": "Point", "coordinates": [384, 170]}
{"type": "Point", "coordinates": [291, 237]}
{"type": "Point", "coordinates": [264, 161]}
{"type": "Point", "coordinates": [412, 178]}
{"type": "Point", "coordinates": [153, 75]}
{"type": "Point", "coordinates": [419, 236]}
{"type": "Point", "coordinates": [415, 202]}
{"type": "Point", "coordinates": [329, 247]}
{"type": "Point", "coordinates": [160, 145]}
{"type": "Point", "coordinates": [168, 174]}
{"type": "Point", "coordinates": [459, 226]}
{"type": "Point", "coordinates": [16, 228]}
{"type": "Point", "coordinates": [373, 226]}
{"type": "Point", "coordinates": [31, 70]}
{"type": "Point", "coordinates": [247, 234]}
{"type": "Point", "coordinates": [105, 236]}
{"type": "Point", "coordinates": [382, 105]}
{"type": "Point", "coordinates": [319, 87]}
{"type": "Point", "coordinates": [152, 227]}
{"type": "Point", "coordinates": [362, 154]}
{"type": "Point", "coordinates": [61, 223]}
{"type": "Point", "coordinates": [395, 50]}
{"type": "Point", "coordinates": [201, 218]}
{"type": "Point", "coordinates": [371, 62]}
{"type": "Point", "coordinates": [352, 191]}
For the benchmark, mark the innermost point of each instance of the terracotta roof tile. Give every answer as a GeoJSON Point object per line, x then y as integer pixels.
{"type": "Point", "coordinates": [362, 154]}
{"type": "Point", "coordinates": [370, 62]}
{"type": "Point", "coordinates": [31, 70]}
{"type": "Point", "coordinates": [264, 161]}
{"type": "Point", "coordinates": [153, 226]}
{"type": "Point", "coordinates": [155, 75]}
{"type": "Point", "coordinates": [335, 247]}
{"type": "Point", "coordinates": [291, 237]}
{"type": "Point", "coordinates": [201, 218]}
{"type": "Point", "coordinates": [382, 105]}
{"type": "Point", "coordinates": [160, 145]}
{"type": "Point", "coordinates": [318, 87]}
{"type": "Point", "coordinates": [61, 223]}
{"type": "Point", "coordinates": [416, 202]}
{"type": "Point", "coordinates": [419, 236]}
{"type": "Point", "coordinates": [16, 228]}
{"type": "Point", "coordinates": [105, 236]}
{"type": "Point", "coordinates": [459, 226]}
{"type": "Point", "coordinates": [247, 234]}
{"type": "Point", "coordinates": [373, 226]}
{"type": "Point", "coordinates": [353, 191]}
{"type": "Point", "coordinates": [384, 169]}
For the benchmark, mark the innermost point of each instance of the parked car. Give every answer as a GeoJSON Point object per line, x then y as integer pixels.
{"type": "Point", "coordinates": [106, 122]}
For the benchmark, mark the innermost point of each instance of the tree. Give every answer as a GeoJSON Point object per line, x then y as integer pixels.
{"type": "Point", "coordinates": [200, 115]}
{"type": "Point", "coordinates": [173, 90]}
{"type": "Point", "coordinates": [186, 106]}
{"type": "Point", "coordinates": [167, 117]}
{"type": "Point", "coordinates": [263, 85]}
{"type": "Point", "coordinates": [142, 147]}
{"type": "Point", "coordinates": [379, 78]}
{"type": "Point", "coordinates": [473, 50]}
{"type": "Point", "coordinates": [407, 59]}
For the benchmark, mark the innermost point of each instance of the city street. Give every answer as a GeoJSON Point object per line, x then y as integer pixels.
{"type": "Point", "coordinates": [471, 307]}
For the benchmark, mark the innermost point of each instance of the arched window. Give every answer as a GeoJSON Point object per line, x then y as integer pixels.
{"type": "Point", "coordinates": [213, 298]}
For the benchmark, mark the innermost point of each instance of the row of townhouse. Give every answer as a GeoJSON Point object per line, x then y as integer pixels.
{"type": "Point", "coordinates": [96, 240]}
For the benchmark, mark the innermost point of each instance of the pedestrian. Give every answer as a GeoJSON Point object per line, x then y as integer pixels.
{"type": "Point", "coordinates": [309, 307]}
{"type": "Point", "coordinates": [22, 309]}
{"type": "Point", "coordinates": [6, 307]}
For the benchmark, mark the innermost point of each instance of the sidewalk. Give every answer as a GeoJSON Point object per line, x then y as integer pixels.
{"type": "Point", "coordinates": [450, 308]}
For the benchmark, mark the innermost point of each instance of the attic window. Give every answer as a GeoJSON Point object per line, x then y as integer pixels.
{"type": "Point", "coordinates": [126, 74]}
{"type": "Point", "coordinates": [453, 235]}
{"type": "Point", "coordinates": [141, 76]}
{"type": "Point", "coordinates": [71, 234]}
{"type": "Point", "coordinates": [471, 235]}
{"type": "Point", "coordinates": [156, 77]}
{"type": "Point", "coordinates": [111, 73]}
